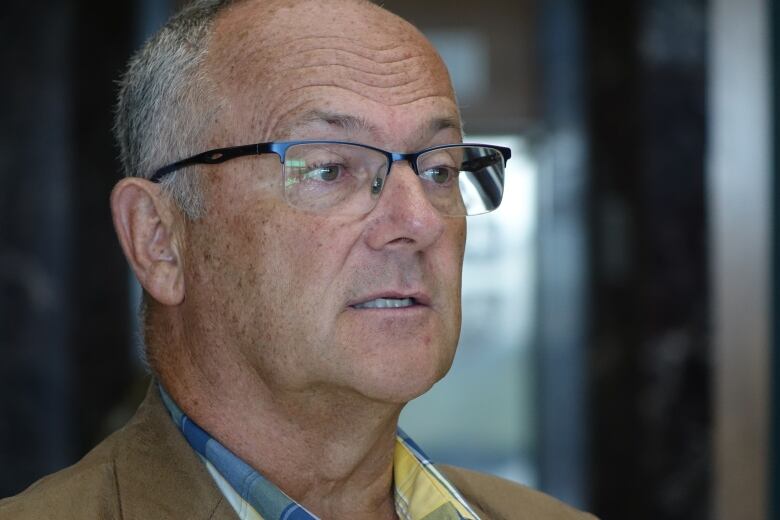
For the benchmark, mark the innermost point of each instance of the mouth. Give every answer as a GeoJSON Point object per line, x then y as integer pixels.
{"type": "Point", "coordinates": [391, 300]}
{"type": "Point", "coordinates": [386, 303]}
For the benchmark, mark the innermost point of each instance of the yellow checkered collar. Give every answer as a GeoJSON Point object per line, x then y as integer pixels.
{"type": "Point", "coordinates": [421, 491]}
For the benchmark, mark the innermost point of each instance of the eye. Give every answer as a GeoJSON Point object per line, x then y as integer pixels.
{"type": "Point", "coordinates": [326, 172]}
{"type": "Point", "coordinates": [440, 175]}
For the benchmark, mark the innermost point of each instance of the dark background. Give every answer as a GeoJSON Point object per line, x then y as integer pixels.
{"type": "Point", "coordinates": [629, 77]}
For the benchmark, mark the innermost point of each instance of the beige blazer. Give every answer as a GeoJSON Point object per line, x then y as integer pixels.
{"type": "Point", "coordinates": [147, 471]}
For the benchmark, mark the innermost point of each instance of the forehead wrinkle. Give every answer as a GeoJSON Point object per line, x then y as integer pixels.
{"type": "Point", "coordinates": [392, 84]}
{"type": "Point", "coordinates": [399, 81]}
{"type": "Point", "coordinates": [379, 54]}
{"type": "Point", "coordinates": [278, 51]}
{"type": "Point", "coordinates": [400, 66]}
{"type": "Point", "coordinates": [281, 66]}
{"type": "Point", "coordinates": [406, 73]}
{"type": "Point", "coordinates": [280, 103]}
{"type": "Point", "coordinates": [297, 25]}
{"type": "Point", "coordinates": [377, 95]}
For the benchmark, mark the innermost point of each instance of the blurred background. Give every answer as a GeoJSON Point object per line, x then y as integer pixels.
{"type": "Point", "coordinates": [618, 339]}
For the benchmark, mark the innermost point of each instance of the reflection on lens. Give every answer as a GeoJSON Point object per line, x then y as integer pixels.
{"type": "Point", "coordinates": [333, 178]}
{"type": "Point", "coordinates": [347, 179]}
{"type": "Point", "coordinates": [480, 179]}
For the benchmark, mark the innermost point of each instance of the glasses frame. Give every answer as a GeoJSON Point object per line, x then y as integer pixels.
{"type": "Point", "coordinates": [220, 155]}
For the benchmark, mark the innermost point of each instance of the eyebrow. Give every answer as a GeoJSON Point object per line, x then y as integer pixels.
{"type": "Point", "coordinates": [342, 121]}
{"type": "Point", "coordinates": [356, 124]}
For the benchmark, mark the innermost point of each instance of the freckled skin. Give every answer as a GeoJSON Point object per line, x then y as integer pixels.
{"type": "Point", "coordinates": [278, 279]}
{"type": "Point", "coordinates": [264, 335]}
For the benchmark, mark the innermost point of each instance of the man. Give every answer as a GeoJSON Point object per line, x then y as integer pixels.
{"type": "Point", "coordinates": [297, 292]}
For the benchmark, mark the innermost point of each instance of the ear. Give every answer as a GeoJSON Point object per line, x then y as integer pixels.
{"type": "Point", "coordinates": [146, 229]}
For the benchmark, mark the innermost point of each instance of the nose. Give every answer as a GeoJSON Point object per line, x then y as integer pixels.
{"type": "Point", "coordinates": [403, 216]}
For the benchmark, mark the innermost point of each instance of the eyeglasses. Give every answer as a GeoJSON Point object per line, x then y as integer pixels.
{"type": "Point", "coordinates": [340, 178]}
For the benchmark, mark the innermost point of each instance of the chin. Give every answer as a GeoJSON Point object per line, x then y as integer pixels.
{"type": "Point", "coordinates": [395, 361]}
{"type": "Point", "coordinates": [403, 380]}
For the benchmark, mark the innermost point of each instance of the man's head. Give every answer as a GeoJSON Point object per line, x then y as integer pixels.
{"type": "Point", "coordinates": [242, 284]}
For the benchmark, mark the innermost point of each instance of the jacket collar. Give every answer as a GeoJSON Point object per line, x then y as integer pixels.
{"type": "Point", "coordinates": [158, 475]}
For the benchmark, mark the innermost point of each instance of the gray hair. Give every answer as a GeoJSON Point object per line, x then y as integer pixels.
{"type": "Point", "coordinates": [165, 97]}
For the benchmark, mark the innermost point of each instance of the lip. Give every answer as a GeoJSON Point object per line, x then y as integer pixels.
{"type": "Point", "coordinates": [420, 298]}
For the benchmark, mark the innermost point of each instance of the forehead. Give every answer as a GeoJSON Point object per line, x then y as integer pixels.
{"type": "Point", "coordinates": [277, 63]}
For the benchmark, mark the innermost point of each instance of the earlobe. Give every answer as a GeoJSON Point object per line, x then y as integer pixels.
{"type": "Point", "coordinates": [147, 233]}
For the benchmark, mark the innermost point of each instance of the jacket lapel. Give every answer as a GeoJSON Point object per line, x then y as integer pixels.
{"type": "Point", "coordinates": [158, 475]}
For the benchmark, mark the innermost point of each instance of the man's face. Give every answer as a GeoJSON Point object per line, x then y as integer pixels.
{"type": "Point", "coordinates": [274, 288]}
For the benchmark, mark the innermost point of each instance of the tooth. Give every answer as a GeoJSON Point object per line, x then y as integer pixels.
{"type": "Point", "coordinates": [386, 303]}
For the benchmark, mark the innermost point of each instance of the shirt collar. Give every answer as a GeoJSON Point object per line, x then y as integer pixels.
{"type": "Point", "coordinates": [421, 491]}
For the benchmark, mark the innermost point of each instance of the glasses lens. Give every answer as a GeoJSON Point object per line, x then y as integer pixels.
{"type": "Point", "coordinates": [463, 180]}
{"type": "Point", "coordinates": [333, 178]}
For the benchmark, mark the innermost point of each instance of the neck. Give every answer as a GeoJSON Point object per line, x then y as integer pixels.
{"type": "Point", "coordinates": [328, 449]}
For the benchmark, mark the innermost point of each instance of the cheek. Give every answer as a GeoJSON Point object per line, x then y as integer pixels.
{"type": "Point", "coordinates": [459, 232]}
{"type": "Point", "coordinates": [452, 249]}
{"type": "Point", "coordinates": [308, 251]}
{"type": "Point", "coordinates": [283, 264]}
{"type": "Point", "coordinates": [451, 268]}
